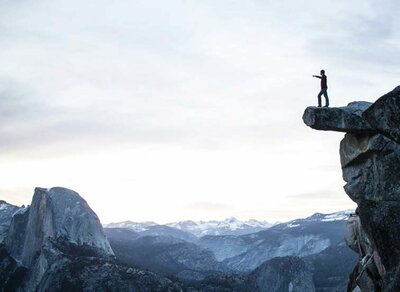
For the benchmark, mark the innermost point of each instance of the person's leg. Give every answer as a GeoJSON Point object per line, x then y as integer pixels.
{"type": "Point", "coordinates": [325, 92]}
{"type": "Point", "coordinates": [319, 98]}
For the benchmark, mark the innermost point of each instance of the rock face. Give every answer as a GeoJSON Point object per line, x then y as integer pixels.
{"type": "Point", "coordinates": [58, 244]}
{"type": "Point", "coordinates": [384, 115]}
{"type": "Point", "coordinates": [6, 213]}
{"type": "Point", "coordinates": [55, 214]}
{"type": "Point", "coordinates": [370, 165]}
{"type": "Point", "coordinates": [370, 160]}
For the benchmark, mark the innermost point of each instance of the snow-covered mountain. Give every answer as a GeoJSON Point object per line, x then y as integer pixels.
{"type": "Point", "coordinates": [229, 226]}
{"type": "Point", "coordinates": [152, 229]}
{"type": "Point", "coordinates": [164, 249]}
{"type": "Point", "coordinates": [135, 226]}
{"type": "Point", "coordinates": [337, 216]}
{"type": "Point", "coordinates": [300, 237]}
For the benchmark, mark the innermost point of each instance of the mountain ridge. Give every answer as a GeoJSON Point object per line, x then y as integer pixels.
{"type": "Point", "coordinates": [199, 228]}
{"type": "Point", "coordinates": [228, 226]}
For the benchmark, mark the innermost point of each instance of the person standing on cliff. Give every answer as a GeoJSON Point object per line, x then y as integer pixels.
{"type": "Point", "coordinates": [324, 88]}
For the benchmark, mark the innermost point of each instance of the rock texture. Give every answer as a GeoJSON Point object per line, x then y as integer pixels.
{"type": "Point", "coordinates": [340, 119]}
{"type": "Point", "coordinates": [54, 214]}
{"type": "Point", "coordinates": [58, 244]}
{"type": "Point", "coordinates": [383, 115]}
{"type": "Point", "coordinates": [370, 160]}
{"type": "Point", "coordinates": [6, 213]}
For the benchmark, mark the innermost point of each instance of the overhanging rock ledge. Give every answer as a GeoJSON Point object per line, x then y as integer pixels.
{"type": "Point", "coordinates": [370, 162]}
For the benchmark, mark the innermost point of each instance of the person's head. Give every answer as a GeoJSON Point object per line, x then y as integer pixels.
{"type": "Point", "coordinates": [322, 72]}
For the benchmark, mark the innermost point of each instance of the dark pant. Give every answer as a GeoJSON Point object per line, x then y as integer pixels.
{"type": "Point", "coordinates": [324, 92]}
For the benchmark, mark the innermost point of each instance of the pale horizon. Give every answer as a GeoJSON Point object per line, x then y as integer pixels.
{"type": "Point", "coordinates": [210, 219]}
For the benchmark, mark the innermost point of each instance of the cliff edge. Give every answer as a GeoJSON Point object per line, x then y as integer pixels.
{"type": "Point", "coordinates": [370, 161]}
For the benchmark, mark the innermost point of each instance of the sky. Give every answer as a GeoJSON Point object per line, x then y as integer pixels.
{"type": "Point", "coordinates": [181, 109]}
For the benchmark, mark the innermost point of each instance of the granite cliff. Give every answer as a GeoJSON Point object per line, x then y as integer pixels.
{"type": "Point", "coordinates": [58, 244]}
{"type": "Point", "coordinates": [370, 161]}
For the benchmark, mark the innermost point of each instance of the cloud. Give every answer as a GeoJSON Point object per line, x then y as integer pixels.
{"type": "Point", "coordinates": [17, 102]}
{"type": "Point", "coordinates": [190, 73]}
{"type": "Point", "coordinates": [359, 38]}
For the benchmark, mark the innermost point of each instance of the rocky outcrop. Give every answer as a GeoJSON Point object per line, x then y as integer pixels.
{"type": "Point", "coordinates": [340, 119]}
{"type": "Point", "coordinates": [370, 160]}
{"type": "Point", "coordinates": [55, 214]}
{"type": "Point", "coordinates": [58, 244]}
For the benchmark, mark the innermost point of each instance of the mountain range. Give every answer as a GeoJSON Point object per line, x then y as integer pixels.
{"type": "Point", "coordinates": [189, 256]}
{"type": "Point", "coordinates": [229, 226]}
{"type": "Point", "coordinates": [58, 242]}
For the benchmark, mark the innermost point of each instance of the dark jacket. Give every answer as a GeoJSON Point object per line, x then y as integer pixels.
{"type": "Point", "coordinates": [324, 82]}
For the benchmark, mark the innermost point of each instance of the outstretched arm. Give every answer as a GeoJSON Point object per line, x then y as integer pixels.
{"type": "Point", "coordinates": [316, 76]}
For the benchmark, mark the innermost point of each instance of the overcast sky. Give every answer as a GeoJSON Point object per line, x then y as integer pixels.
{"type": "Point", "coordinates": [173, 110]}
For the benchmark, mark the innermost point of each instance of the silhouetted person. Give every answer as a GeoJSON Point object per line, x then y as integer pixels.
{"type": "Point", "coordinates": [324, 88]}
